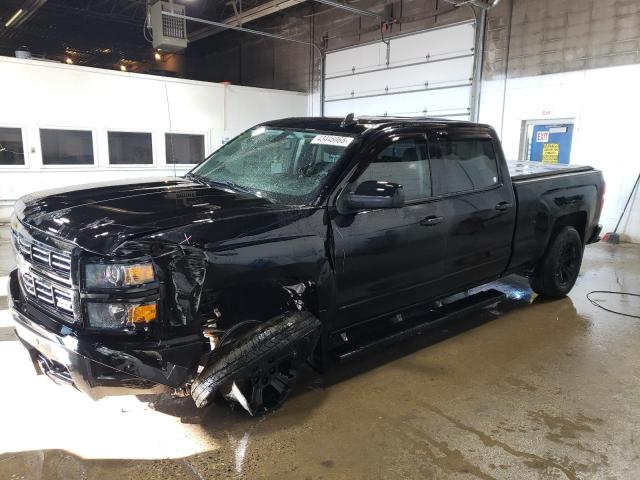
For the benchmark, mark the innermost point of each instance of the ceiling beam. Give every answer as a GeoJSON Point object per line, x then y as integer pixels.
{"type": "Point", "coordinates": [242, 29]}
{"type": "Point", "coordinates": [354, 10]}
{"type": "Point", "coordinates": [483, 4]}
{"type": "Point", "coordinates": [29, 8]}
{"type": "Point", "coordinates": [250, 15]}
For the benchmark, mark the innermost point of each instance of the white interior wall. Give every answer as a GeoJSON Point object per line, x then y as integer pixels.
{"type": "Point", "coordinates": [604, 104]}
{"type": "Point", "coordinates": [52, 95]}
{"type": "Point", "coordinates": [248, 106]}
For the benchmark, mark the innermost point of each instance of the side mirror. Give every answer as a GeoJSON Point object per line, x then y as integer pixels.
{"type": "Point", "coordinates": [371, 195]}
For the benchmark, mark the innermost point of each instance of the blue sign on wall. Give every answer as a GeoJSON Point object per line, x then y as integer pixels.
{"type": "Point", "coordinates": [551, 143]}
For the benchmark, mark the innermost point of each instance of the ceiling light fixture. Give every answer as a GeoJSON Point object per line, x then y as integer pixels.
{"type": "Point", "coordinates": [13, 19]}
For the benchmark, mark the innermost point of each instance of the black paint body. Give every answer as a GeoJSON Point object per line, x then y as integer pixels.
{"type": "Point", "coordinates": [224, 257]}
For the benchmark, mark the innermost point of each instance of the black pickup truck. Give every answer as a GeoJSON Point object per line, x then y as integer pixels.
{"type": "Point", "coordinates": [301, 240]}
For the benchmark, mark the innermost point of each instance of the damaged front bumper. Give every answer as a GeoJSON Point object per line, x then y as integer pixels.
{"type": "Point", "coordinates": [101, 367]}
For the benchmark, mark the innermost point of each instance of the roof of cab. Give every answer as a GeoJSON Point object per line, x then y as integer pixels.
{"type": "Point", "coordinates": [359, 124]}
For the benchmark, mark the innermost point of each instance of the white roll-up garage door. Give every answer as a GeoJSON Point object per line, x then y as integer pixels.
{"type": "Point", "coordinates": [423, 74]}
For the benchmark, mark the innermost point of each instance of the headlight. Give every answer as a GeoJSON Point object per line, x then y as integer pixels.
{"type": "Point", "coordinates": [120, 315]}
{"type": "Point", "coordinates": [113, 275]}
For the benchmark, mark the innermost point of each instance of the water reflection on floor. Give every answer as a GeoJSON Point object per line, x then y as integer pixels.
{"type": "Point", "coordinates": [527, 389]}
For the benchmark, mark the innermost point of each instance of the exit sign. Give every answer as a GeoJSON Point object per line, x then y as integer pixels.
{"type": "Point", "coordinates": [542, 137]}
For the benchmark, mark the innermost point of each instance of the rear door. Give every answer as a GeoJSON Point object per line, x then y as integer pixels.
{"type": "Point", "coordinates": [387, 259]}
{"type": "Point", "coordinates": [469, 177]}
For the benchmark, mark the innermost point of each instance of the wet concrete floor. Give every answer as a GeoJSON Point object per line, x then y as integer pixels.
{"type": "Point", "coordinates": [529, 389]}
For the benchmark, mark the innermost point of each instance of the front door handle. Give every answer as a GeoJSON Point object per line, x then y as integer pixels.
{"type": "Point", "coordinates": [431, 221]}
{"type": "Point", "coordinates": [502, 206]}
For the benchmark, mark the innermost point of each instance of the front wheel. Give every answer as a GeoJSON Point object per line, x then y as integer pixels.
{"type": "Point", "coordinates": [259, 369]}
{"type": "Point", "coordinates": [557, 272]}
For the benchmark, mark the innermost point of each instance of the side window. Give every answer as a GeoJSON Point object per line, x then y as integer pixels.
{"type": "Point", "coordinates": [66, 147]}
{"type": "Point", "coordinates": [130, 148]}
{"type": "Point", "coordinates": [404, 162]}
{"type": "Point", "coordinates": [183, 149]}
{"type": "Point", "coordinates": [11, 149]}
{"type": "Point", "coordinates": [460, 165]}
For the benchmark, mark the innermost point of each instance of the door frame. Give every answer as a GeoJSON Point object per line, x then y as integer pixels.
{"type": "Point", "coordinates": [523, 150]}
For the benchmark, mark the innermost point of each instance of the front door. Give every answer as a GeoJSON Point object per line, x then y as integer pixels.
{"type": "Point", "coordinates": [388, 259]}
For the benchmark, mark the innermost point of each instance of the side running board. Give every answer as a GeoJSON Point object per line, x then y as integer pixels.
{"type": "Point", "coordinates": [352, 343]}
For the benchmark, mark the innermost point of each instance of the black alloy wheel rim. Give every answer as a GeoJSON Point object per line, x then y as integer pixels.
{"type": "Point", "coordinates": [568, 264]}
{"type": "Point", "coordinates": [270, 382]}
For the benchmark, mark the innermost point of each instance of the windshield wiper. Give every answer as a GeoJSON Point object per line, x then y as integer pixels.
{"type": "Point", "coordinates": [232, 185]}
{"type": "Point", "coordinates": [223, 183]}
{"type": "Point", "coordinates": [197, 178]}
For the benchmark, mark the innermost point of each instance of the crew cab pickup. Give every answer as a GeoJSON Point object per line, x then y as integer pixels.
{"type": "Point", "coordinates": [303, 239]}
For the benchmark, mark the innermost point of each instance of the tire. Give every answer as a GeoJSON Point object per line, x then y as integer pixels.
{"type": "Point", "coordinates": [258, 370]}
{"type": "Point", "coordinates": [557, 272]}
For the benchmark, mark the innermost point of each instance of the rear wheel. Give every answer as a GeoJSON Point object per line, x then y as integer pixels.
{"type": "Point", "coordinates": [557, 272]}
{"type": "Point", "coordinates": [259, 369]}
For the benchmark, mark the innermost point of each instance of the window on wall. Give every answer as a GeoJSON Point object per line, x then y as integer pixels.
{"type": "Point", "coordinates": [404, 162]}
{"type": "Point", "coordinates": [66, 147]}
{"type": "Point", "coordinates": [184, 148]}
{"type": "Point", "coordinates": [130, 148]}
{"type": "Point", "coordinates": [11, 149]}
{"type": "Point", "coordinates": [460, 165]}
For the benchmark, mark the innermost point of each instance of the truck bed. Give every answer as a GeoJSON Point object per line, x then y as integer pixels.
{"type": "Point", "coordinates": [522, 170]}
{"type": "Point", "coordinates": [547, 192]}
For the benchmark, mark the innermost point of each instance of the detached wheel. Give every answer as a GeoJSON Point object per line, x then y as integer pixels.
{"type": "Point", "coordinates": [259, 369]}
{"type": "Point", "coordinates": [557, 272]}
{"type": "Point", "coordinates": [270, 383]}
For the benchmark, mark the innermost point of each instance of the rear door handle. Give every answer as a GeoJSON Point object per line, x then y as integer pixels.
{"type": "Point", "coordinates": [430, 221]}
{"type": "Point", "coordinates": [502, 206]}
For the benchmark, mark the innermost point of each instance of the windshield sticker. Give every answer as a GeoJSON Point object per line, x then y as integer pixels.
{"type": "Point", "coordinates": [332, 140]}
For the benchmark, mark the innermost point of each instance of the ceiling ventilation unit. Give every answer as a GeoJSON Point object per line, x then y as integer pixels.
{"type": "Point", "coordinates": [169, 33]}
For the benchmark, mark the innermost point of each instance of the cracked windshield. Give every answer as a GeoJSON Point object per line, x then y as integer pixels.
{"type": "Point", "coordinates": [283, 165]}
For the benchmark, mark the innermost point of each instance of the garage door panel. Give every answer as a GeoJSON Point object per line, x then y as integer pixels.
{"type": "Point", "coordinates": [429, 74]}
{"type": "Point", "coordinates": [435, 44]}
{"type": "Point", "coordinates": [356, 59]}
{"type": "Point", "coordinates": [433, 75]}
{"type": "Point", "coordinates": [441, 103]}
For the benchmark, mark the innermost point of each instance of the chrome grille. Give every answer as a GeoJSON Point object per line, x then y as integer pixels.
{"type": "Point", "coordinates": [45, 257]}
{"type": "Point", "coordinates": [47, 293]}
{"type": "Point", "coordinates": [45, 275]}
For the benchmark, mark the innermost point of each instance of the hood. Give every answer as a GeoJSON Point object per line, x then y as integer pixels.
{"type": "Point", "coordinates": [99, 217]}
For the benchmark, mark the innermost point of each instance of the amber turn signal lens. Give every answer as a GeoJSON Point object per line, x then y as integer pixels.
{"type": "Point", "coordinates": [138, 274]}
{"type": "Point", "coordinates": [142, 313]}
